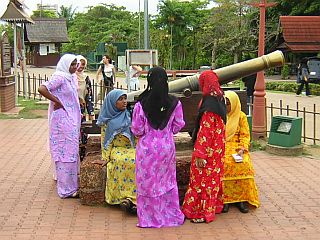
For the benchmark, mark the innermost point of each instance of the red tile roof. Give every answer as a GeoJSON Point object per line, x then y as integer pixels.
{"type": "Point", "coordinates": [301, 33]}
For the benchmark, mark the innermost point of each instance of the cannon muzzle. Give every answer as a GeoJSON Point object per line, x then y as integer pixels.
{"type": "Point", "coordinates": [226, 74]}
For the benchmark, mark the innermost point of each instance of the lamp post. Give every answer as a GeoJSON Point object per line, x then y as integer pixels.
{"type": "Point", "coordinates": [139, 26]}
{"type": "Point", "coordinates": [146, 25]}
{"type": "Point", "coordinates": [259, 104]}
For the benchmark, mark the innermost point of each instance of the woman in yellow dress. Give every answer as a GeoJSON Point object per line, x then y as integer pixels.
{"type": "Point", "coordinates": [118, 150]}
{"type": "Point", "coordinates": [239, 186]}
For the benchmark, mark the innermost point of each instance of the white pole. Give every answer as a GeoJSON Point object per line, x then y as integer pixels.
{"type": "Point", "coordinates": [146, 25]}
{"type": "Point", "coordinates": [139, 26]}
{"type": "Point", "coordinates": [15, 60]}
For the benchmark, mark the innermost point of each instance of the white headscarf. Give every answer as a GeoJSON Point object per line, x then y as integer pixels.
{"type": "Point", "coordinates": [81, 77]}
{"type": "Point", "coordinates": [63, 66]}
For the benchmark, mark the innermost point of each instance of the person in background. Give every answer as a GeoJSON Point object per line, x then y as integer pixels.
{"type": "Point", "coordinates": [118, 150]}
{"type": "Point", "coordinates": [133, 78]}
{"type": "Point", "coordinates": [64, 124]}
{"type": "Point", "coordinates": [249, 82]}
{"type": "Point", "coordinates": [204, 196]}
{"type": "Point", "coordinates": [157, 116]}
{"type": "Point", "coordinates": [303, 74]}
{"type": "Point", "coordinates": [109, 74]}
{"type": "Point", "coordinates": [239, 186]}
{"type": "Point", "coordinates": [84, 89]}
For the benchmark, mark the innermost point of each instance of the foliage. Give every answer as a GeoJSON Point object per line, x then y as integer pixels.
{"type": "Point", "coordinates": [67, 13]}
{"type": "Point", "coordinates": [180, 23]}
{"type": "Point", "coordinates": [186, 34]}
{"type": "Point", "coordinates": [291, 87]}
{"type": "Point", "coordinates": [285, 71]}
{"type": "Point", "coordinates": [44, 14]}
{"type": "Point", "coordinates": [101, 24]}
{"type": "Point", "coordinates": [9, 29]}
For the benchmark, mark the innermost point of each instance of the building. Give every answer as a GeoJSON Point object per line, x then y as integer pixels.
{"type": "Point", "coordinates": [299, 36]}
{"type": "Point", "coordinates": [44, 39]}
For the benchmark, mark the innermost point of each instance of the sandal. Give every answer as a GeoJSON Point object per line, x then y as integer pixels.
{"type": "Point", "coordinates": [125, 205]}
{"type": "Point", "coordinates": [75, 195]}
{"type": "Point", "coordinates": [197, 220]}
{"type": "Point", "coordinates": [133, 209]}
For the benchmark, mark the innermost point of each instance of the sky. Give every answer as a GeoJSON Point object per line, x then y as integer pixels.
{"type": "Point", "coordinates": [131, 5]}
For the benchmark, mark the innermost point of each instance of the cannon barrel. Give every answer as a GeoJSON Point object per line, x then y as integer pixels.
{"type": "Point", "coordinates": [226, 74]}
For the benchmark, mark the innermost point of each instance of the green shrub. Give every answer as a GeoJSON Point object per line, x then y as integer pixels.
{"type": "Point", "coordinates": [285, 72]}
{"type": "Point", "coordinates": [291, 87]}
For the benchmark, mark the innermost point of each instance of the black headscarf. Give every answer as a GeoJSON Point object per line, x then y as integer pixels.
{"type": "Point", "coordinates": [156, 102]}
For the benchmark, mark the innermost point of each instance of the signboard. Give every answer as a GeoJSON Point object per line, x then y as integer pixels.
{"type": "Point", "coordinates": [142, 57]}
{"type": "Point", "coordinates": [5, 55]}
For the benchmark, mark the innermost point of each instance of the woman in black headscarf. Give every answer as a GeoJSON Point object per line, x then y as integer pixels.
{"type": "Point", "coordinates": [157, 116]}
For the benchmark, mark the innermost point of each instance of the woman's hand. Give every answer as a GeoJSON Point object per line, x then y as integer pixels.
{"type": "Point", "coordinates": [241, 152]}
{"type": "Point", "coordinates": [57, 105]}
{"type": "Point", "coordinates": [200, 163]}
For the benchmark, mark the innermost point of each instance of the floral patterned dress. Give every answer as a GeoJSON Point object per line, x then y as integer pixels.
{"type": "Point", "coordinates": [157, 190]}
{"type": "Point", "coordinates": [121, 179]}
{"type": "Point", "coordinates": [204, 196]}
{"type": "Point", "coordinates": [238, 181]}
{"type": "Point", "coordinates": [64, 131]}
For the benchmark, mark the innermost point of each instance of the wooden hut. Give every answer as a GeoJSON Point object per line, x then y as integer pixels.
{"type": "Point", "coordinates": [43, 41]}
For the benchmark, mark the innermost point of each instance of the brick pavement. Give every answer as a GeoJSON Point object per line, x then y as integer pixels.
{"type": "Point", "coordinates": [31, 209]}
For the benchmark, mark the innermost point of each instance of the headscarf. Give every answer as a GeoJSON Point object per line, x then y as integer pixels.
{"type": "Point", "coordinates": [81, 77]}
{"type": "Point", "coordinates": [212, 99]}
{"type": "Point", "coordinates": [63, 66]}
{"type": "Point", "coordinates": [234, 115]}
{"type": "Point", "coordinates": [156, 102]}
{"type": "Point", "coordinates": [118, 122]}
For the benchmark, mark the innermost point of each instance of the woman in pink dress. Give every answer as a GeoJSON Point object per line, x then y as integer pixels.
{"type": "Point", "coordinates": [64, 124]}
{"type": "Point", "coordinates": [157, 116]}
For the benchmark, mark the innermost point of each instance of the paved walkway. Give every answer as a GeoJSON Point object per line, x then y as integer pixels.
{"type": "Point", "coordinates": [30, 208]}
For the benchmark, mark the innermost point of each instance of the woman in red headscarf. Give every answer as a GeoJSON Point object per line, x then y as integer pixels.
{"type": "Point", "coordinates": [204, 198]}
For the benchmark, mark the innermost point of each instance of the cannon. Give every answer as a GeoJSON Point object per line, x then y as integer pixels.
{"type": "Point", "coordinates": [225, 74]}
{"type": "Point", "coordinates": [187, 88]}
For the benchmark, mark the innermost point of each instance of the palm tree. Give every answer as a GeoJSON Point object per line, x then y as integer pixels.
{"type": "Point", "coordinates": [67, 13]}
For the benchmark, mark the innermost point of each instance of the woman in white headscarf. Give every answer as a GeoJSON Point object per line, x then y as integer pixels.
{"type": "Point", "coordinates": [84, 89]}
{"type": "Point", "coordinates": [64, 124]}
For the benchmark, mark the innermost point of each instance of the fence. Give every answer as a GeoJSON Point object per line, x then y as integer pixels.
{"type": "Point", "coordinates": [34, 81]}
{"type": "Point", "coordinates": [310, 133]}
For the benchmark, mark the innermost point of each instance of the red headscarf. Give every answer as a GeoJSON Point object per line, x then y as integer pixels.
{"type": "Point", "coordinates": [209, 84]}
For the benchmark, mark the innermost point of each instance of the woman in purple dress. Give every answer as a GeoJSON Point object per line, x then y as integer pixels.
{"type": "Point", "coordinates": [64, 124]}
{"type": "Point", "coordinates": [157, 116]}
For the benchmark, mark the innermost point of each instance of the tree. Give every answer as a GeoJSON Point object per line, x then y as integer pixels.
{"type": "Point", "coordinates": [181, 20]}
{"type": "Point", "coordinates": [67, 13]}
{"type": "Point", "coordinates": [44, 14]}
{"type": "Point", "coordinates": [102, 23]}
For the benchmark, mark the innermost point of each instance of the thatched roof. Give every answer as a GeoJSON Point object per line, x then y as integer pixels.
{"type": "Point", "coordinates": [47, 30]}
{"type": "Point", "coordinates": [15, 13]}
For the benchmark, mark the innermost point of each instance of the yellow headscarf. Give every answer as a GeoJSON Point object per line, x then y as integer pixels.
{"type": "Point", "coordinates": [234, 115]}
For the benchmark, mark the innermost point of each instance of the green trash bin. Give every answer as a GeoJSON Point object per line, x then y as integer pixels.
{"type": "Point", "coordinates": [285, 131]}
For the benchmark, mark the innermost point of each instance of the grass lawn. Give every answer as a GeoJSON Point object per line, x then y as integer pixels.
{"type": "Point", "coordinates": [31, 109]}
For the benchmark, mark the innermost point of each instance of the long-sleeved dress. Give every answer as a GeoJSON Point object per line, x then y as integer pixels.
{"type": "Point", "coordinates": [204, 197]}
{"type": "Point", "coordinates": [157, 191]}
{"type": "Point", "coordinates": [121, 179]}
{"type": "Point", "coordinates": [238, 181]}
{"type": "Point", "coordinates": [64, 130]}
